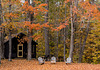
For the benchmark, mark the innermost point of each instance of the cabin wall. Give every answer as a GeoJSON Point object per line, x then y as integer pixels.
{"type": "Point", "coordinates": [25, 50]}
{"type": "Point", "coordinates": [33, 51]}
{"type": "Point", "coordinates": [14, 50]}
{"type": "Point", "coordinates": [6, 50]}
{"type": "Point", "coordinates": [15, 45]}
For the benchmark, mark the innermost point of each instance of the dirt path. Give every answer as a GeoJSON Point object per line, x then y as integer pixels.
{"type": "Point", "coordinates": [33, 65]}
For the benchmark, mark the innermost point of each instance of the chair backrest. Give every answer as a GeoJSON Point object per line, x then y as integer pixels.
{"type": "Point", "coordinates": [40, 59]}
{"type": "Point", "coordinates": [53, 58]}
{"type": "Point", "coordinates": [68, 60]}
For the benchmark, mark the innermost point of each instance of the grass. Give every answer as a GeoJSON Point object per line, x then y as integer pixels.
{"type": "Point", "coordinates": [22, 64]}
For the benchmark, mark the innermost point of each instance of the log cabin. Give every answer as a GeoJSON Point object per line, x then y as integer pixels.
{"type": "Point", "coordinates": [19, 47]}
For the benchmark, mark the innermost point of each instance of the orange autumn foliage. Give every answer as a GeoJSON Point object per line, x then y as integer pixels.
{"type": "Point", "coordinates": [29, 9]}
{"type": "Point", "coordinates": [32, 26]}
{"type": "Point", "coordinates": [66, 1]}
{"type": "Point", "coordinates": [36, 37]}
{"type": "Point", "coordinates": [37, 2]}
{"type": "Point", "coordinates": [45, 24]}
{"type": "Point", "coordinates": [61, 26]}
{"type": "Point", "coordinates": [91, 10]}
{"type": "Point", "coordinates": [35, 26]}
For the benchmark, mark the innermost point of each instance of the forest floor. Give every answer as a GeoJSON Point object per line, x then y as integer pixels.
{"type": "Point", "coordinates": [22, 64]}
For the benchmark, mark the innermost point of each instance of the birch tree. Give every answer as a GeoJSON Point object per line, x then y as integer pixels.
{"type": "Point", "coordinates": [72, 32]}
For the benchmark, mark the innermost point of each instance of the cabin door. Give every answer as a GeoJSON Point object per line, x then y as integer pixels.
{"type": "Point", "coordinates": [20, 50]}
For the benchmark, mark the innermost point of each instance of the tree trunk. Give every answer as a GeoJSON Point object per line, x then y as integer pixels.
{"type": "Point", "coordinates": [2, 43]}
{"type": "Point", "coordinates": [80, 45]}
{"type": "Point", "coordinates": [64, 44]}
{"type": "Point", "coordinates": [64, 35]}
{"type": "Point", "coordinates": [47, 50]}
{"type": "Point", "coordinates": [79, 60]}
{"type": "Point", "coordinates": [10, 38]}
{"type": "Point", "coordinates": [75, 16]}
{"type": "Point", "coordinates": [84, 42]}
{"type": "Point", "coordinates": [57, 46]}
{"type": "Point", "coordinates": [56, 49]}
{"type": "Point", "coordinates": [75, 24]}
{"type": "Point", "coordinates": [0, 47]}
{"type": "Point", "coordinates": [29, 46]}
{"type": "Point", "coordinates": [30, 34]}
{"type": "Point", "coordinates": [0, 29]}
{"type": "Point", "coordinates": [10, 45]}
{"type": "Point", "coordinates": [72, 34]}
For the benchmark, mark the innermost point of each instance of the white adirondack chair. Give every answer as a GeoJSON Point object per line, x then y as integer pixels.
{"type": "Point", "coordinates": [53, 60]}
{"type": "Point", "coordinates": [41, 60]}
{"type": "Point", "coordinates": [68, 61]}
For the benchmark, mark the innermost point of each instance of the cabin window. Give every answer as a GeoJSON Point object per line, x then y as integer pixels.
{"type": "Point", "coordinates": [20, 47]}
{"type": "Point", "coordinates": [20, 50]}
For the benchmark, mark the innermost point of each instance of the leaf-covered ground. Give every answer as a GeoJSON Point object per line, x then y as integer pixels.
{"type": "Point", "coordinates": [22, 64]}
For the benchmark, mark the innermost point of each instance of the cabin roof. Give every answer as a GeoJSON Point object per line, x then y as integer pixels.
{"type": "Point", "coordinates": [15, 35]}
